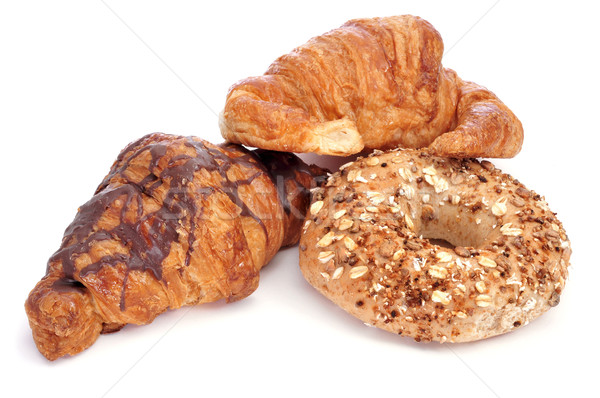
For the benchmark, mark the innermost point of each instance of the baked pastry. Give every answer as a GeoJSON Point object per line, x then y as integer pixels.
{"type": "Point", "coordinates": [372, 83]}
{"type": "Point", "coordinates": [177, 221]}
{"type": "Point", "coordinates": [370, 246]}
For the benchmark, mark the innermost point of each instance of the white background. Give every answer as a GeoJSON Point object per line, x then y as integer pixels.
{"type": "Point", "coordinates": [81, 79]}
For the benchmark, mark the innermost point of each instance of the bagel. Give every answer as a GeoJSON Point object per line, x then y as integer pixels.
{"type": "Point", "coordinates": [373, 243]}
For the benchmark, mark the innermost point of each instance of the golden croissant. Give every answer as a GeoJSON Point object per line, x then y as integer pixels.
{"type": "Point", "coordinates": [177, 221]}
{"type": "Point", "coordinates": [372, 83]}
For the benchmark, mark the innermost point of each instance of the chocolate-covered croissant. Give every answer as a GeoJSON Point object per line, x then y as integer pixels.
{"type": "Point", "coordinates": [373, 83]}
{"type": "Point", "coordinates": [177, 221]}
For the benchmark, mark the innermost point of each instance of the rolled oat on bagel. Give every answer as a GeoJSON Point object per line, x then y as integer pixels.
{"type": "Point", "coordinates": [369, 245]}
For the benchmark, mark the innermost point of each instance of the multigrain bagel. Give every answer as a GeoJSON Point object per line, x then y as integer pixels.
{"type": "Point", "coordinates": [369, 246]}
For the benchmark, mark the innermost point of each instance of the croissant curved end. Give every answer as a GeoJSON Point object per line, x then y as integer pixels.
{"type": "Point", "coordinates": [62, 318]}
{"type": "Point", "coordinates": [338, 138]}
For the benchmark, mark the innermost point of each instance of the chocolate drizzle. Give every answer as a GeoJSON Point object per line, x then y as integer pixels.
{"type": "Point", "coordinates": [149, 236]}
{"type": "Point", "coordinates": [67, 285]}
{"type": "Point", "coordinates": [282, 167]}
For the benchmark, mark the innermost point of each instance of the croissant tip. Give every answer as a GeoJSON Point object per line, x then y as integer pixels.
{"type": "Point", "coordinates": [63, 322]}
{"type": "Point", "coordinates": [340, 142]}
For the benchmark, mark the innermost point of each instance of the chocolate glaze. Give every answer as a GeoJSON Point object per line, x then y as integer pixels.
{"type": "Point", "coordinates": [150, 236]}
{"type": "Point", "coordinates": [282, 167]}
{"type": "Point", "coordinates": [67, 285]}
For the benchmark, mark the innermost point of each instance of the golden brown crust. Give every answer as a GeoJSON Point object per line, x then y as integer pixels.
{"type": "Point", "coordinates": [62, 318]}
{"type": "Point", "coordinates": [367, 247]}
{"type": "Point", "coordinates": [485, 127]}
{"type": "Point", "coordinates": [177, 221]}
{"type": "Point", "coordinates": [372, 83]}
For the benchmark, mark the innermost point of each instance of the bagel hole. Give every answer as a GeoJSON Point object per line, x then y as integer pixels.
{"type": "Point", "coordinates": [450, 226]}
{"type": "Point", "coordinates": [442, 243]}
{"type": "Point", "coordinates": [460, 235]}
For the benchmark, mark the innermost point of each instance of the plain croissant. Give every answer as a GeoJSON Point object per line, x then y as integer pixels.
{"type": "Point", "coordinates": [177, 221]}
{"type": "Point", "coordinates": [372, 83]}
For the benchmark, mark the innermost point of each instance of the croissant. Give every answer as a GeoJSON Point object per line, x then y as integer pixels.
{"type": "Point", "coordinates": [372, 83]}
{"type": "Point", "coordinates": [177, 221]}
